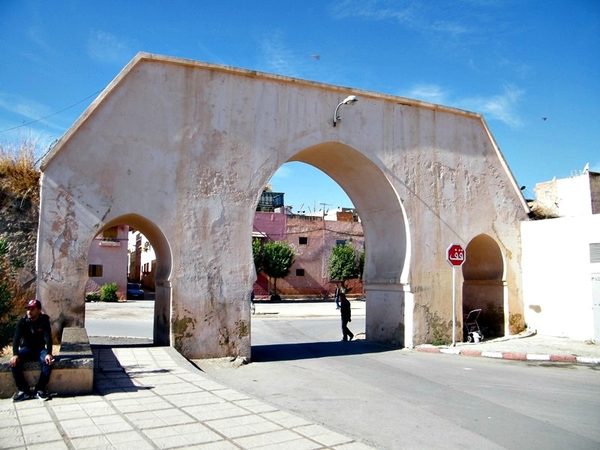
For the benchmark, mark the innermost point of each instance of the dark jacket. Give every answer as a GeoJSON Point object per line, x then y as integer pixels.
{"type": "Point", "coordinates": [33, 335]}
{"type": "Point", "coordinates": [345, 309]}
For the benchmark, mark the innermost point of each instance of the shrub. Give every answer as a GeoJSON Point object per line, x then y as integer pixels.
{"type": "Point", "coordinates": [12, 298]}
{"type": "Point", "coordinates": [92, 298]}
{"type": "Point", "coordinates": [108, 292]}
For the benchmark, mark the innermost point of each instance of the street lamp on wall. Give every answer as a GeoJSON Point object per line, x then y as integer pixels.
{"type": "Point", "coordinates": [350, 100]}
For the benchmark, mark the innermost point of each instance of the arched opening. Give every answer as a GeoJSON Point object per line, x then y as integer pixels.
{"type": "Point", "coordinates": [304, 207]}
{"type": "Point", "coordinates": [309, 210]}
{"type": "Point", "coordinates": [385, 276]}
{"type": "Point", "coordinates": [484, 284]}
{"type": "Point", "coordinates": [108, 262]}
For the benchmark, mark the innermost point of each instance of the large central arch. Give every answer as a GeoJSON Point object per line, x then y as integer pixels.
{"type": "Point", "coordinates": [385, 227]}
{"type": "Point", "coordinates": [182, 150]}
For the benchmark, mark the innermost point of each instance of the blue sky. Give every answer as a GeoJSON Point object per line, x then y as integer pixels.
{"type": "Point", "coordinates": [514, 61]}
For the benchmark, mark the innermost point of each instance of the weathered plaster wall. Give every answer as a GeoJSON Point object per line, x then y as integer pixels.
{"type": "Point", "coordinates": [184, 149]}
{"type": "Point", "coordinates": [595, 191]}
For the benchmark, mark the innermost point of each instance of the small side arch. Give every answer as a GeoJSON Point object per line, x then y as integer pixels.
{"type": "Point", "coordinates": [484, 284]}
{"type": "Point", "coordinates": [162, 249]}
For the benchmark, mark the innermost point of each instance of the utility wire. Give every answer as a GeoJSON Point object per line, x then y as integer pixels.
{"type": "Point", "coordinates": [51, 115]}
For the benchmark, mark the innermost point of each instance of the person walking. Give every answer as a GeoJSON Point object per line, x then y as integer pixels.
{"type": "Point", "coordinates": [346, 317]}
{"type": "Point", "coordinates": [32, 342]}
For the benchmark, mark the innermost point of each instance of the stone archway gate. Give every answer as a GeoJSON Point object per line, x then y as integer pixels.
{"type": "Point", "coordinates": [182, 150]}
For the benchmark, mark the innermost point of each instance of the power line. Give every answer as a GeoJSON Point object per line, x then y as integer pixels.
{"type": "Point", "coordinates": [51, 115]}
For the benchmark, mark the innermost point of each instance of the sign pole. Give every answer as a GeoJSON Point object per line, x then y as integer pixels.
{"type": "Point", "coordinates": [456, 256]}
{"type": "Point", "coordinates": [453, 306]}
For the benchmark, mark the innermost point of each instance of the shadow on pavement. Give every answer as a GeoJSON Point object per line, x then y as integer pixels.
{"type": "Point", "coordinates": [313, 350]}
{"type": "Point", "coordinates": [110, 377]}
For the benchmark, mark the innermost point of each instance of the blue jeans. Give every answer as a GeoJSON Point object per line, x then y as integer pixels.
{"type": "Point", "coordinates": [25, 355]}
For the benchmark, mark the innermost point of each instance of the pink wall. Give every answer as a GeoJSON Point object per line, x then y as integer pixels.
{"type": "Point", "coordinates": [312, 256]}
{"type": "Point", "coordinates": [271, 224]}
{"type": "Point", "coordinates": [112, 256]}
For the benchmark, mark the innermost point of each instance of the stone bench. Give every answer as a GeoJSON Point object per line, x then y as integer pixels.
{"type": "Point", "coordinates": [72, 372]}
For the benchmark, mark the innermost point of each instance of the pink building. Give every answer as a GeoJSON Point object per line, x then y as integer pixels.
{"type": "Point", "coordinates": [313, 239]}
{"type": "Point", "coordinates": [107, 259]}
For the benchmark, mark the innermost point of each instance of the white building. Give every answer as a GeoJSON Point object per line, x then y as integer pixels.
{"type": "Point", "coordinates": [142, 260]}
{"type": "Point", "coordinates": [561, 259]}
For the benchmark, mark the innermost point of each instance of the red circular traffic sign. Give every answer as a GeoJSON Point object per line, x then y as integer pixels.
{"type": "Point", "coordinates": [455, 255]}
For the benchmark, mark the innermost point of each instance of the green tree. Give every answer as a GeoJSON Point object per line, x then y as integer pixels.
{"type": "Point", "coordinates": [277, 260]}
{"type": "Point", "coordinates": [361, 264]}
{"type": "Point", "coordinates": [12, 300]}
{"type": "Point", "coordinates": [257, 255]}
{"type": "Point", "coordinates": [343, 264]}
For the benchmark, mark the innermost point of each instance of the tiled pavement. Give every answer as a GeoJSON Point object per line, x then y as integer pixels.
{"type": "Point", "coordinates": [137, 406]}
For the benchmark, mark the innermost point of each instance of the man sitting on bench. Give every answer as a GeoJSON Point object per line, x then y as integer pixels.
{"type": "Point", "coordinates": [32, 342]}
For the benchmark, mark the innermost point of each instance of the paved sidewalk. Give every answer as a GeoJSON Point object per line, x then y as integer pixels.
{"type": "Point", "coordinates": [153, 398]}
{"type": "Point", "coordinates": [525, 347]}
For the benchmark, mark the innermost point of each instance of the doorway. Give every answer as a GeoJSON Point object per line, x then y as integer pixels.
{"type": "Point", "coordinates": [111, 260]}
{"type": "Point", "coordinates": [484, 284]}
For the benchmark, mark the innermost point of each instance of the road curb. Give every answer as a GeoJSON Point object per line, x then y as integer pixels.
{"type": "Point", "coordinates": [515, 356]}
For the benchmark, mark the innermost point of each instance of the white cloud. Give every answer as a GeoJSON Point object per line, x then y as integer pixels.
{"type": "Point", "coordinates": [26, 108]}
{"type": "Point", "coordinates": [429, 93]}
{"type": "Point", "coordinates": [36, 35]}
{"type": "Point", "coordinates": [279, 57]}
{"type": "Point", "coordinates": [372, 10]}
{"type": "Point", "coordinates": [27, 120]}
{"type": "Point", "coordinates": [502, 107]}
{"type": "Point", "coordinates": [283, 172]}
{"type": "Point", "coordinates": [107, 48]}
{"type": "Point", "coordinates": [415, 15]}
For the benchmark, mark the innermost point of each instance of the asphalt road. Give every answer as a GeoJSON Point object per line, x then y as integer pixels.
{"type": "Point", "coordinates": [398, 399]}
{"type": "Point", "coordinates": [133, 318]}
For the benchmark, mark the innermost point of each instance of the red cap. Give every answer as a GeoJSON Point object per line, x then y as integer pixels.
{"type": "Point", "coordinates": [34, 304]}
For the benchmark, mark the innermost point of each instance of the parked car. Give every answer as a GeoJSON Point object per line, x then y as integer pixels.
{"type": "Point", "coordinates": [135, 291]}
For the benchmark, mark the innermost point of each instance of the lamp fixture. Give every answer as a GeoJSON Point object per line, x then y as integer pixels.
{"type": "Point", "coordinates": [350, 100]}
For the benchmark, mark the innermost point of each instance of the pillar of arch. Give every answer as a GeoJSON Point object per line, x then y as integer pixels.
{"type": "Point", "coordinates": [182, 150]}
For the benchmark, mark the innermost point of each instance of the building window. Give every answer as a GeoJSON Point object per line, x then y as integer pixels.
{"type": "Point", "coordinates": [299, 272]}
{"type": "Point", "coordinates": [110, 234]}
{"type": "Point", "coordinates": [94, 270]}
{"type": "Point", "coordinates": [340, 242]}
{"type": "Point", "coordinates": [303, 240]}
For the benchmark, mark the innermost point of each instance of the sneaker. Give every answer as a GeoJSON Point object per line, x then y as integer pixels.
{"type": "Point", "coordinates": [351, 337]}
{"type": "Point", "coordinates": [42, 395]}
{"type": "Point", "coordinates": [20, 396]}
